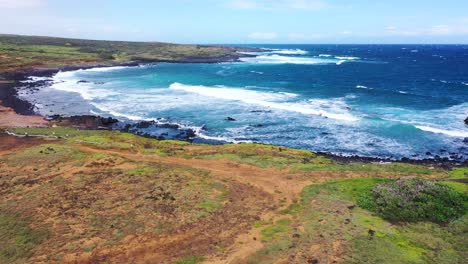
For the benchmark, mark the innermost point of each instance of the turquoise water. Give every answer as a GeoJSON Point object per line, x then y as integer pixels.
{"type": "Point", "coordinates": [369, 100]}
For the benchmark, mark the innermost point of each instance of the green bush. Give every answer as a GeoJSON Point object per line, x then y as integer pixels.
{"type": "Point", "coordinates": [412, 199]}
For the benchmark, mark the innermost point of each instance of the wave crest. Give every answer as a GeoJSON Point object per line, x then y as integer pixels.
{"type": "Point", "coordinates": [329, 108]}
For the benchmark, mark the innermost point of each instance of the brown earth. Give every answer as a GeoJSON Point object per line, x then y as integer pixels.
{"type": "Point", "coordinates": [10, 119]}
{"type": "Point", "coordinates": [122, 203]}
{"type": "Point", "coordinates": [226, 236]}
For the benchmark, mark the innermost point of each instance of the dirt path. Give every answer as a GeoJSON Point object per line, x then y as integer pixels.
{"type": "Point", "coordinates": [279, 183]}
{"type": "Point", "coordinates": [274, 181]}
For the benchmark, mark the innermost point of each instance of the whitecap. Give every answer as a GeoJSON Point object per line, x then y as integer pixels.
{"type": "Point", "coordinates": [346, 58]}
{"type": "Point", "coordinates": [363, 87]}
{"type": "Point", "coordinates": [278, 59]}
{"type": "Point", "coordinates": [286, 51]}
{"type": "Point", "coordinates": [430, 120]}
{"type": "Point", "coordinates": [328, 108]}
{"type": "Point", "coordinates": [340, 62]}
{"type": "Point", "coordinates": [452, 133]}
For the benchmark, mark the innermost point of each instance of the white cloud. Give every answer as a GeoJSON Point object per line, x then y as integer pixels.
{"type": "Point", "coordinates": [243, 4]}
{"type": "Point", "coordinates": [306, 4]}
{"type": "Point", "coordinates": [297, 36]}
{"type": "Point", "coordinates": [21, 4]}
{"type": "Point", "coordinates": [263, 35]}
{"type": "Point", "coordinates": [278, 4]}
{"type": "Point", "coordinates": [437, 30]}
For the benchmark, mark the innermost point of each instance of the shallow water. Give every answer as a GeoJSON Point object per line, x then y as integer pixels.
{"type": "Point", "coordinates": [370, 100]}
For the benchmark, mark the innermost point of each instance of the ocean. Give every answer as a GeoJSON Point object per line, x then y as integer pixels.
{"type": "Point", "coordinates": [385, 101]}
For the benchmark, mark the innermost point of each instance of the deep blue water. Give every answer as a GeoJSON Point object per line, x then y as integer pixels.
{"type": "Point", "coordinates": [370, 100]}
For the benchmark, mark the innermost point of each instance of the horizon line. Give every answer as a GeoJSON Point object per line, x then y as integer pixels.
{"type": "Point", "coordinates": [210, 43]}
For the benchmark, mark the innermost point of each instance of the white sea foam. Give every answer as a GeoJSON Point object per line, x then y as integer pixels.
{"type": "Point", "coordinates": [106, 69]}
{"type": "Point", "coordinates": [288, 51]}
{"type": "Point", "coordinates": [430, 121]}
{"type": "Point", "coordinates": [226, 139]}
{"type": "Point", "coordinates": [111, 111]}
{"type": "Point", "coordinates": [452, 133]}
{"type": "Point", "coordinates": [33, 79]}
{"type": "Point", "coordinates": [257, 72]}
{"type": "Point", "coordinates": [347, 58]}
{"type": "Point", "coordinates": [226, 93]}
{"type": "Point", "coordinates": [87, 91]}
{"type": "Point", "coordinates": [278, 59]}
{"type": "Point", "coordinates": [363, 87]}
{"type": "Point", "coordinates": [328, 108]}
{"type": "Point", "coordinates": [72, 74]}
{"type": "Point", "coordinates": [325, 55]}
{"type": "Point", "coordinates": [340, 62]}
{"type": "Point", "coordinates": [402, 92]}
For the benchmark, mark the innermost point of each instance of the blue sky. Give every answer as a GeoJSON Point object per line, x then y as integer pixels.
{"type": "Point", "coordinates": [242, 21]}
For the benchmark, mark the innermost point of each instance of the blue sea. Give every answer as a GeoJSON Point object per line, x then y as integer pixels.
{"type": "Point", "coordinates": [387, 101]}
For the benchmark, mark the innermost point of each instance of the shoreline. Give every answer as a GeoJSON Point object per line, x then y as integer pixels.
{"type": "Point", "coordinates": [24, 109]}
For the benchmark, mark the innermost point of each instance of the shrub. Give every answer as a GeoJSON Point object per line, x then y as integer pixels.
{"type": "Point", "coordinates": [412, 199]}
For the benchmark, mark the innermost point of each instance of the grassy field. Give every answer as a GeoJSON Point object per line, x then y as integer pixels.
{"type": "Point", "coordinates": [19, 52]}
{"type": "Point", "coordinates": [70, 196]}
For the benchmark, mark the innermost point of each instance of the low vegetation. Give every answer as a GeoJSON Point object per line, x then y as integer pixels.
{"type": "Point", "coordinates": [18, 52]}
{"type": "Point", "coordinates": [413, 199]}
{"type": "Point", "coordinates": [72, 196]}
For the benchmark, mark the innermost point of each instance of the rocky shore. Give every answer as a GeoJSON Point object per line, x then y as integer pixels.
{"type": "Point", "coordinates": [16, 112]}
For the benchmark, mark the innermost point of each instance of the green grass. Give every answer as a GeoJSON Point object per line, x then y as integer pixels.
{"type": "Point", "coordinates": [458, 173]}
{"type": "Point", "coordinates": [17, 239]}
{"type": "Point", "coordinates": [263, 156]}
{"type": "Point", "coordinates": [395, 167]}
{"type": "Point", "coordinates": [278, 229]}
{"type": "Point", "coordinates": [190, 260]}
{"type": "Point", "coordinates": [350, 189]}
{"type": "Point", "coordinates": [406, 243]}
{"type": "Point", "coordinates": [266, 156]}
{"type": "Point", "coordinates": [270, 253]}
{"type": "Point", "coordinates": [107, 140]}
{"type": "Point", "coordinates": [208, 206]}
{"type": "Point", "coordinates": [24, 51]}
{"type": "Point", "coordinates": [322, 211]}
{"type": "Point", "coordinates": [49, 153]}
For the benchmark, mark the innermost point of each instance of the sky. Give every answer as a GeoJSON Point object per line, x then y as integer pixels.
{"type": "Point", "coordinates": [242, 21]}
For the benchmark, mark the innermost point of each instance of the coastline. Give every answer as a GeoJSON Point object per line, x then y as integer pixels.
{"type": "Point", "coordinates": [24, 110]}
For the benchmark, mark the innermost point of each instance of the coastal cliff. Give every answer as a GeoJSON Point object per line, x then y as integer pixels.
{"type": "Point", "coordinates": [82, 189]}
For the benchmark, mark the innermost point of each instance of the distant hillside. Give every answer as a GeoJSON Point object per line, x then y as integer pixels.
{"type": "Point", "coordinates": [20, 52]}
